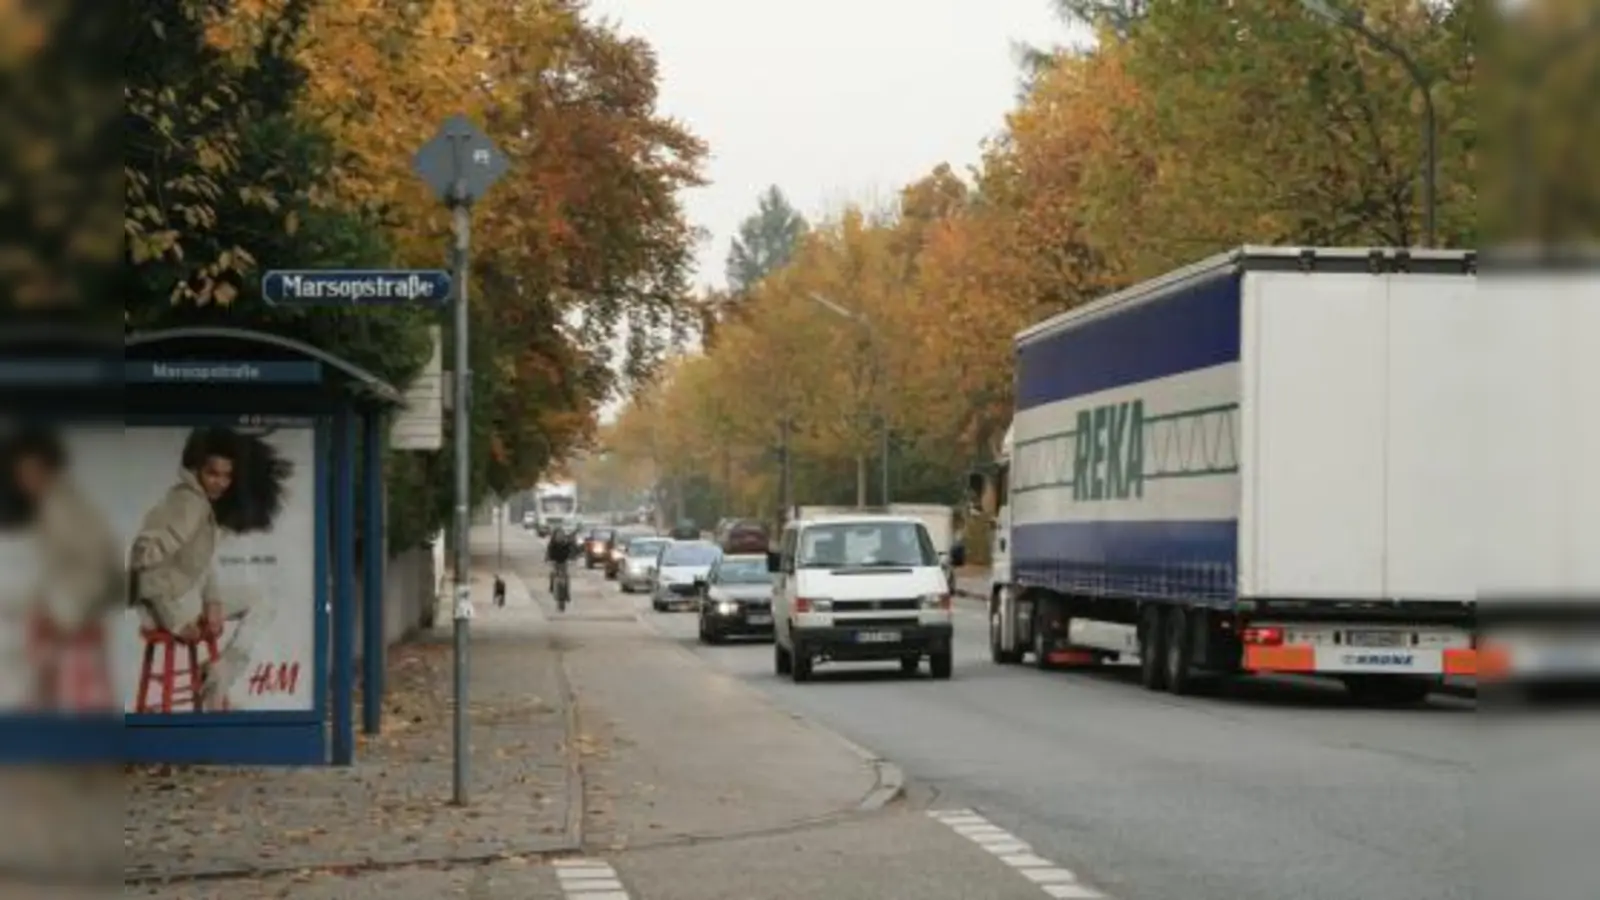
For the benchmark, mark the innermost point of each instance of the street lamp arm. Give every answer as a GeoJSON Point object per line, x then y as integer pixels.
{"type": "Point", "coordinates": [840, 311]}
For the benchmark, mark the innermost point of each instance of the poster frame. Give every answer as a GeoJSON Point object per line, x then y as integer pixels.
{"type": "Point", "coordinates": [270, 737]}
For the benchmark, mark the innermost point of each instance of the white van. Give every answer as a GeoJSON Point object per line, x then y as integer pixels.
{"type": "Point", "coordinates": [859, 587]}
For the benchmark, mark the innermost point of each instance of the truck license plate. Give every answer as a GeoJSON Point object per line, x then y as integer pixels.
{"type": "Point", "coordinates": [1376, 638]}
{"type": "Point", "coordinates": [877, 637]}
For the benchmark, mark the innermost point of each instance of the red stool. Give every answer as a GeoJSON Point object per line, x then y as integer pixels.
{"type": "Point", "coordinates": [74, 673]}
{"type": "Point", "coordinates": [180, 686]}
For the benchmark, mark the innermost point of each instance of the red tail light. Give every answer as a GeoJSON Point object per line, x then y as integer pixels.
{"type": "Point", "coordinates": [1263, 637]}
{"type": "Point", "coordinates": [802, 604]}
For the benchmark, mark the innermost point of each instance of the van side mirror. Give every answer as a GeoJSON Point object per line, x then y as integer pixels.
{"type": "Point", "coordinates": [774, 562]}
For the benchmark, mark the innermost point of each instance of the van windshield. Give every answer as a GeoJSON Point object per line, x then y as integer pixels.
{"type": "Point", "coordinates": [849, 544]}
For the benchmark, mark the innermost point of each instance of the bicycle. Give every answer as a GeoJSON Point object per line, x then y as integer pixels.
{"type": "Point", "coordinates": [563, 587]}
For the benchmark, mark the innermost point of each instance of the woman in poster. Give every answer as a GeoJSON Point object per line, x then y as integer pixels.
{"type": "Point", "coordinates": [62, 577]}
{"type": "Point", "coordinates": [229, 482]}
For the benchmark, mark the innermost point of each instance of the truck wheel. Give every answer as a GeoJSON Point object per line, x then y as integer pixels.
{"type": "Point", "coordinates": [1179, 659]}
{"type": "Point", "coordinates": [1041, 644]}
{"type": "Point", "coordinates": [800, 664]}
{"type": "Point", "coordinates": [997, 653]}
{"type": "Point", "coordinates": [782, 662]}
{"type": "Point", "coordinates": [1152, 648]}
{"type": "Point", "coordinates": [942, 664]}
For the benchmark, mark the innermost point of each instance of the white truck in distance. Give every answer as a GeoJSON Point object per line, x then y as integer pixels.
{"type": "Point", "coordinates": [555, 505]}
{"type": "Point", "coordinates": [1252, 464]}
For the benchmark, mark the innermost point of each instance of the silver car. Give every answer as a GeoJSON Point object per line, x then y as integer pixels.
{"type": "Point", "coordinates": [638, 570]}
{"type": "Point", "coordinates": [682, 566]}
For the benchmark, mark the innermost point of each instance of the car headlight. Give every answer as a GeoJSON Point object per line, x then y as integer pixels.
{"type": "Point", "coordinates": [936, 601]}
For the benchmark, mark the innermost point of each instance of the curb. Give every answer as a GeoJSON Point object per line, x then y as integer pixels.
{"type": "Point", "coordinates": [889, 780]}
{"type": "Point", "coordinates": [576, 792]}
{"type": "Point", "coordinates": [346, 866]}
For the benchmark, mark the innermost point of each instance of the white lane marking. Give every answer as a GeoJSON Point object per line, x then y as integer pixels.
{"type": "Point", "coordinates": [589, 879]}
{"type": "Point", "coordinates": [1056, 882]}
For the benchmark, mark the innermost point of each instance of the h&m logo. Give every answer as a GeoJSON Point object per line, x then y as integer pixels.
{"type": "Point", "coordinates": [1108, 457]}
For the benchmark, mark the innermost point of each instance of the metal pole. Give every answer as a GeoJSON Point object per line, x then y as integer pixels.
{"type": "Point", "coordinates": [884, 422]}
{"type": "Point", "coordinates": [785, 482]}
{"type": "Point", "coordinates": [500, 535]}
{"type": "Point", "coordinates": [1430, 187]}
{"type": "Point", "coordinates": [462, 222]}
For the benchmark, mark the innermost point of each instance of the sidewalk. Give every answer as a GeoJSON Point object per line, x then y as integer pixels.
{"type": "Point", "coordinates": [393, 806]}
{"type": "Point", "coordinates": [684, 752]}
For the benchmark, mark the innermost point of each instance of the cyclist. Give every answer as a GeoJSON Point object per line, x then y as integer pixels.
{"type": "Point", "coordinates": [561, 549]}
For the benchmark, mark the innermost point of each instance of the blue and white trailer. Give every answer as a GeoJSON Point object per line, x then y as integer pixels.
{"type": "Point", "coordinates": [1255, 463]}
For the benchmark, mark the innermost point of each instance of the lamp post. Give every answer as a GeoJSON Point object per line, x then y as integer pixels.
{"type": "Point", "coordinates": [875, 347]}
{"type": "Point", "coordinates": [1353, 20]}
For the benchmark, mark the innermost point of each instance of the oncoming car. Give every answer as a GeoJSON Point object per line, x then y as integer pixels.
{"type": "Point", "coordinates": [681, 565]}
{"type": "Point", "coordinates": [736, 598]}
{"type": "Point", "coordinates": [856, 588]}
{"type": "Point", "coordinates": [638, 571]}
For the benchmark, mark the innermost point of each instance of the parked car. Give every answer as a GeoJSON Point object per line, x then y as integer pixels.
{"type": "Point", "coordinates": [638, 571]}
{"type": "Point", "coordinates": [682, 563]}
{"type": "Point", "coordinates": [596, 544]}
{"type": "Point", "coordinates": [736, 598]}
{"type": "Point", "coordinates": [617, 549]}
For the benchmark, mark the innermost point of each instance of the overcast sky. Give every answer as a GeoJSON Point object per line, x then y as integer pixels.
{"type": "Point", "coordinates": [832, 100]}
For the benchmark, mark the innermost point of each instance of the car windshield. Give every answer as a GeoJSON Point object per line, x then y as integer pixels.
{"type": "Point", "coordinates": [648, 547]}
{"type": "Point", "coordinates": [847, 544]}
{"type": "Point", "coordinates": [743, 570]}
{"type": "Point", "coordinates": [697, 554]}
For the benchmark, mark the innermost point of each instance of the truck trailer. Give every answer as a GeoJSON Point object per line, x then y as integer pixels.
{"type": "Point", "coordinates": [1257, 463]}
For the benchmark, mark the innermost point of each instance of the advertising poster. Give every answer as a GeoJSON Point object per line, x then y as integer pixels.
{"type": "Point", "coordinates": [158, 569]}
{"type": "Point", "coordinates": [219, 526]}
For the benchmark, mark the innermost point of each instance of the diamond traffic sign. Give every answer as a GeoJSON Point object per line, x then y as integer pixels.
{"type": "Point", "coordinates": [460, 163]}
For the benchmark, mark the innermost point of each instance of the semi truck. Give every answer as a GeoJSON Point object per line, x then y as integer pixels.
{"type": "Point", "coordinates": [1257, 463]}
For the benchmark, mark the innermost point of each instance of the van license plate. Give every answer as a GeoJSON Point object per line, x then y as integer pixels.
{"type": "Point", "coordinates": [759, 620]}
{"type": "Point", "coordinates": [877, 637]}
{"type": "Point", "coordinates": [1376, 638]}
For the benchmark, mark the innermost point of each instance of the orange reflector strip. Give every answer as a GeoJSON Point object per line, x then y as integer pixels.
{"type": "Point", "coordinates": [1484, 662]}
{"type": "Point", "coordinates": [1072, 657]}
{"type": "Point", "coordinates": [1280, 659]}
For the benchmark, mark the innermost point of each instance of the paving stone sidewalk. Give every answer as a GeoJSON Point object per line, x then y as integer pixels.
{"type": "Point", "coordinates": [392, 807]}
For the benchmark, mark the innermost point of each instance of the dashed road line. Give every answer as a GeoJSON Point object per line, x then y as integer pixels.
{"type": "Point", "coordinates": [1056, 882]}
{"type": "Point", "coordinates": [589, 879]}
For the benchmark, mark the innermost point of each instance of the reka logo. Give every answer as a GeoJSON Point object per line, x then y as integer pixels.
{"type": "Point", "coordinates": [1108, 457]}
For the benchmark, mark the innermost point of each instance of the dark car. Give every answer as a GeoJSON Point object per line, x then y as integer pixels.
{"type": "Point", "coordinates": [596, 545]}
{"type": "Point", "coordinates": [736, 598]}
{"type": "Point", "coordinates": [617, 549]}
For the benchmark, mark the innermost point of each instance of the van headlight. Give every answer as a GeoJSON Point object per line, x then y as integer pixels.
{"type": "Point", "coordinates": [936, 601]}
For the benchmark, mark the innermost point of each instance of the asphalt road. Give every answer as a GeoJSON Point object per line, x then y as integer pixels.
{"type": "Point", "coordinates": [1255, 790]}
